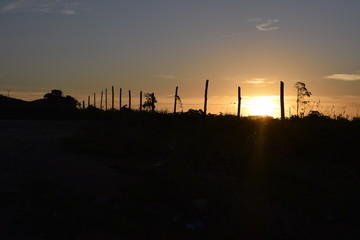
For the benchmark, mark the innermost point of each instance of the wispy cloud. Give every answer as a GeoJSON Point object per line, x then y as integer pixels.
{"type": "Point", "coordinates": [259, 81]}
{"type": "Point", "coordinates": [265, 25]}
{"type": "Point", "coordinates": [268, 25]}
{"type": "Point", "coordinates": [344, 77]}
{"type": "Point", "coordinates": [262, 25]}
{"type": "Point", "coordinates": [67, 7]}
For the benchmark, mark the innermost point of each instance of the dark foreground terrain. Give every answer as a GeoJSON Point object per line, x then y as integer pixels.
{"type": "Point", "coordinates": [165, 177]}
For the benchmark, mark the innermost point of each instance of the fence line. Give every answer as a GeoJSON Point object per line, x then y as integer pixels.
{"type": "Point", "coordinates": [176, 99]}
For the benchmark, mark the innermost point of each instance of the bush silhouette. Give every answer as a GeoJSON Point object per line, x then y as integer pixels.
{"type": "Point", "coordinates": [56, 97]}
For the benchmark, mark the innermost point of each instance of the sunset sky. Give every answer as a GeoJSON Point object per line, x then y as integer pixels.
{"type": "Point", "coordinates": [85, 46]}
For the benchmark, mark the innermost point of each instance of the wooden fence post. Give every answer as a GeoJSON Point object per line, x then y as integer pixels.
{"type": "Point", "coordinates": [282, 100]}
{"type": "Point", "coordinates": [94, 100]}
{"type": "Point", "coordinates": [88, 101]}
{"type": "Point", "coordinates": [120, 98]}
{"type": "Point", "coordinates": [152, 103]}
{"type": "Point", "coordinates": [105, 99]}
{"type": "Point", "coordinates": [206, 92]}
{"type": "Point", "coordinates": [101, 100]}
{"type": "Point", "coordinates": [129, 99]}
{"type": "Point", "coordinates": [140, 101]}
{"type": "Point", "coordinates": [83, 103]}
{"type": "Point", "coordinates": [239, 102]}
{"type": "Point", "coordinates": [112, 98]}
{"type": "Point", "coordinates": [176, 97]}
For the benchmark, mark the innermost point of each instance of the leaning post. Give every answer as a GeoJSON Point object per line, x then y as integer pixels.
{"type": "Point", "coordinates": [176, 97]}
{"type": "Point", "coordinates": [205, 100]}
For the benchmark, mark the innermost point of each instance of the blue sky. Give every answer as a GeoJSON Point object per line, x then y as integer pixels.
{"type": "Point", "coordinates": [85, 46]}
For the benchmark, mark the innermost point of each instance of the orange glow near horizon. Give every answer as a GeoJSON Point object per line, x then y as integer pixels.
{"type": "Point", "coordinates": [262, 106]}
{"type": "Point", "coordinates": [250, 105]}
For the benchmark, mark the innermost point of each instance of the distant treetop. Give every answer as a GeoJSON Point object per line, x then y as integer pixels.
{"type": "Point", "coordinates": [57, 97]}
{"type": "Point", "coordinates": [55, 93]}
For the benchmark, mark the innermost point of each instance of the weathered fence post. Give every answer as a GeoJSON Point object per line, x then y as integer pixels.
{"type": "Point", "coordinates": [129, 99]}
{"type": "Point", "coordinates": [120, 98]}
{"type": "Point", "coordinates": [140, 101]}
{"type": "Point", "coordinates": [101, 100]}
{"type": "Point", "coordinates": [239, 102]}
{"type": "Point", "coordinates": [282, 100]}
{"type": "Point", "coordinates": [206, 92]}
{"type": "Point", "coordinates": [94, 100]}
{"type": "Point", "coordinates": [105, 99]}
{"type": "Point", "coordinates": [152, 103]}
{"type": "Point", "coordinates": [88, 101]}
{"type": "Point", "coordinates": [176, 97]}
{"type": "Point", "coordinates": [112, 98]}
{"type": "Point", "coordinates": [83, 103]}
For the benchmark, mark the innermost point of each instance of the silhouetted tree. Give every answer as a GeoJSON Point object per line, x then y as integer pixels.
{"type": "Point", "coordinates": [54, 94]}
{"type": "Point", "coordinates": [302, 92]}
{"type": "Point", "coordinates": [71, 102]}
{"type": "Point", "coordinates": [56, 97]}
{"type": "Point", "coordinates": [149, 101]}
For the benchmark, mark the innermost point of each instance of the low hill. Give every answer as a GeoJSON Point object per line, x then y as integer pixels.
{"type": "Point", "coordinates": [54, 105]}
{"type": "Point", "coordinates": [4, 101]}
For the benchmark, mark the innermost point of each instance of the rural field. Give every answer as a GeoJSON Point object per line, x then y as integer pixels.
{"type": "Point", "coordinates": [132, 175]}
{"type": "Point", "coordinates": [184, 120]}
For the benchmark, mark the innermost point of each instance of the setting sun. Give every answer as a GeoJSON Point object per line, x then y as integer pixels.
{"type": "Point", "coordinates": [262, 106]}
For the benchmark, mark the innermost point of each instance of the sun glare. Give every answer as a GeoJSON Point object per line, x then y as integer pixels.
{"type": "Point", "coordinates": [262, 106]}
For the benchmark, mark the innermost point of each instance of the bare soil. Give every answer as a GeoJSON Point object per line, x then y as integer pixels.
{"type": "Point", "coordinates": [49, 191]}
{"type": "Point", "coordinates": [44, 187]}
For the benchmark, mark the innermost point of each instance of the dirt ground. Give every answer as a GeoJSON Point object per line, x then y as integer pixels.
{"type": "Point", "coordinates": [47, 192]}
{"type": "Point", "coordinates": [40, 182]}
